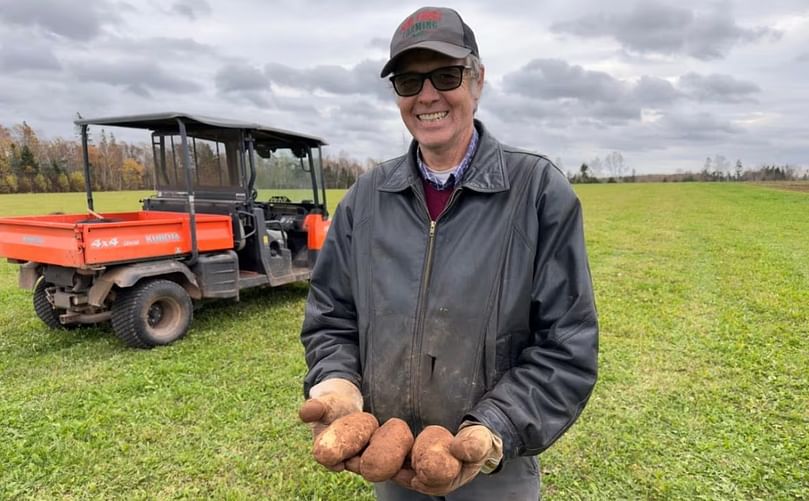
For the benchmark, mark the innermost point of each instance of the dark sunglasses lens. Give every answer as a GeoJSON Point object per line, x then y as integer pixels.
{"type": "Point", "coordinates": [410, 84]}
{"type": "Point", "coordinates": [447, 78]}
{"type": "Point", "coordinates": [407, 84]}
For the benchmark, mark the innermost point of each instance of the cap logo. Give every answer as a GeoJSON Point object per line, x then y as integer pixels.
{"type": "Point", "coordinates": [421, 21]}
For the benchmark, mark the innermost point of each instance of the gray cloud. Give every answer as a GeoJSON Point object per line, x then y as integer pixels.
{"type": "Point", "coordinates": [361, 79]}
{"type": "Point", "coordinates": [609, 112]}
{"type": "Point", "coordinates": [669, 30]}
{"type": "Point", "coordinates": [241, 77]}
{"type": "Point", "coordinates": [512, 108]}
{"type": "Point", "coordinates": [600, 97]}
{"type": "Point", "coordinates": [701, 127]}
{"type": "Point", "coordinates": [572, 93]}
{"type": "Point", "coordinates": [721, 88]}
{"type": "Point", "coordinates": [654, 92]}
{"type": "Point", "coordinates": [30, 56]}
{"type": "Point", "coordinates": [250, 97]}
{"type": "Point", "coordinates": [162, 47]}
{"type": "Point", "coordinates": [192, 9]}
{"type": "Point", "coordinates": [299, 106]}
{"type": "Point", "coordinates": [555, 79]}
{"type": "Point", "coordinates": [60, 17]}
{"type": "Point", "coordinates": [244, 82]}
{"type": "Point", "coordinates": [138, 77]}
{"type": "Point", "coordinates": [379, 43]}
{"type": "Point", "coordinates": [365, 114]}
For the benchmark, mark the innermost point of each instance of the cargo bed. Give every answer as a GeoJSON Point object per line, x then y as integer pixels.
{"type": "Point", "coordinates": [82, 240]}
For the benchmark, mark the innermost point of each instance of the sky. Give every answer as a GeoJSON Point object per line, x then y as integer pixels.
{"type": "Point", "coordinates": [666, 84]}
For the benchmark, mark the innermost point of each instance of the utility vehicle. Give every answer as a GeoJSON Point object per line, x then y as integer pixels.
{"type": "Point", "coordinates": [206, 233]}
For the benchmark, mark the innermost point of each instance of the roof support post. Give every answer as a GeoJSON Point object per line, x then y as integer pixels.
{"type": "Point", "coordinates": [88, 184]}
{"type": "Point", "coordinates": [322, 180]}
{"type": "Point", "coordinates": [251, 161]}
{"type": "Point", "coordinates": [189, 177]}
{"type": "Point", "coordinates": [313, 174]}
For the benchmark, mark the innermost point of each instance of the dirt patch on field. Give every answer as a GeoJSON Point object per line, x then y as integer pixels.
{"type": "Point", "coordinates": [787, 185]}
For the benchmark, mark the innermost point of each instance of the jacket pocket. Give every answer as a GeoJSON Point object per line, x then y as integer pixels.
{"type": "Point", "coordinates": [503, 360]}
{"type": "Point", "coordinates": [387, 368]}
{"type": "Point", "coordinates": [451, 375]}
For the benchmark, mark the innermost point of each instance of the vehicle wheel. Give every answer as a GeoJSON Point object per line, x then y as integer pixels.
{"type": "Point", "coordinates": [45, 310]}
{"type": "Point", "coordinates": [152, 313]}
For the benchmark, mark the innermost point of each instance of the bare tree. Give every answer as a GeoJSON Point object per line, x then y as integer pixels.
{"type": "Point", "coordinates": [615, 164]}
{"type": "Point", "coordinates": [721, 166]}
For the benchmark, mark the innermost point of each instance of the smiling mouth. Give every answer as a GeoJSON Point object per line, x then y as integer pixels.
{"type": "Point", "coordinates": [432, 117]}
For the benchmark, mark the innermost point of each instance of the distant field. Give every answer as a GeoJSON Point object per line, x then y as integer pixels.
{"type": "Point", "coordinates": [117, 201]}
{"type": "Point", "coordinates": [703, 296]}
{"type": "Point", "coordinates": [787, 185]}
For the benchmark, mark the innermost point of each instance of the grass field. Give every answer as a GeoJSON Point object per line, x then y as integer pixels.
{"type": "Point", "coordinates": [703, 295]}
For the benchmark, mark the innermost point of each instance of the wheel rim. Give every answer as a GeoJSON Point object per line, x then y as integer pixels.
{"type": "Point", "coordinates": [163, 318]}
{"type": "Point", "coordinates": [155, 315]}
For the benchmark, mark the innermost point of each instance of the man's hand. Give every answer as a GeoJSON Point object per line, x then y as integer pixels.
{"type": "Point", "coordinates": [475, 446]}
{"type": "Point", "coordinates": [329, 400]}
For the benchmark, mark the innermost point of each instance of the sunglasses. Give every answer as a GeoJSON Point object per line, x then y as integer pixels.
{"type": "Point", "coordinates": [443, 79]}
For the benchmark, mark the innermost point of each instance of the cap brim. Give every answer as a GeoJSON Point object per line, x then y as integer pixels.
{"type": "Point", "coordinates": [445, 48]}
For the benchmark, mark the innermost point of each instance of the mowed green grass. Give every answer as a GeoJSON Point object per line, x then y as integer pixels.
{"type": "Point", "coordinates": [703, 295]}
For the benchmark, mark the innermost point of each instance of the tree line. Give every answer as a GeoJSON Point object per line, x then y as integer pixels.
{"type": "Point", "coordinates": [30, 164]}
{"type": "Point", "coordinates": [342, 171]}
{"type": "Point", "coordinates": [613, 169]}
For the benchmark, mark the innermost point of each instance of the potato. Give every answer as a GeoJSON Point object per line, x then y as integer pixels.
{"type": "Point", "coordinates": [432, 461]}
{"type": "Point", "coordinates": [353, 464]}
{"type": "Point", "coordinates": [387, 451]}
{"type": "Point", "coordinates": [344, 438]}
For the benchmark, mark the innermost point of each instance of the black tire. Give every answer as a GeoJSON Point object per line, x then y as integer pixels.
{"type": "Point", "coordinates": [152, 313]}
{"type": "Point", "coordinates": [45, 310]}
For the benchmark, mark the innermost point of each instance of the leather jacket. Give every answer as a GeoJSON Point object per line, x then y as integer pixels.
{"type": "Point", "coordinates": [485, 314]}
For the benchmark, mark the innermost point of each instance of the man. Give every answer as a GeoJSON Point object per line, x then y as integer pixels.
{"type": "Point", "coordinates": [453, 288]}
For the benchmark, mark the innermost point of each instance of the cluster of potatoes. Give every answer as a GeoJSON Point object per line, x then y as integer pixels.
{"type": "Point", "coordinates": [387, 448]}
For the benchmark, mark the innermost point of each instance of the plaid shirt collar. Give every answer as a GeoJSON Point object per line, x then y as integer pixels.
{"type": "Point", "coordinates": [457, 172]}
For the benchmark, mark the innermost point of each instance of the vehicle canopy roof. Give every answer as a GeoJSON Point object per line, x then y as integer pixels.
{"type": "Point", "coordinates": [167, 122]}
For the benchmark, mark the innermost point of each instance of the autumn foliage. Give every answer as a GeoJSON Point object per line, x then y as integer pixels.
{"type": "Point", "coordinates": [29, 164]}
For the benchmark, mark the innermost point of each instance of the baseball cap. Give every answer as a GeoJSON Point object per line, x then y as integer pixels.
{"type": "Point", "coordinates": [434, 28]}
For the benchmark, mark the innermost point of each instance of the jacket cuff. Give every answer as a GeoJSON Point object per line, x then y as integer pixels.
{"type": "Point", "coordinates": [488, 414]}
{"type": "Point", "coordinates": [348, 376]}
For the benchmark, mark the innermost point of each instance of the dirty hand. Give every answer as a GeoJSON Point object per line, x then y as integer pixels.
{"type": "Point", "coordinates": [329, 400]}
{"type": "Point", "coordinates": [475, 446]}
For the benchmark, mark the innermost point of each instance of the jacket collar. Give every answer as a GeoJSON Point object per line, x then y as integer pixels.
{"type": "Point", "coordinates": [485, 174]}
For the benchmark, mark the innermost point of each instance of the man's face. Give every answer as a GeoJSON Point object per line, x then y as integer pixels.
{"type": "Point", "coordinates": [441, 121]}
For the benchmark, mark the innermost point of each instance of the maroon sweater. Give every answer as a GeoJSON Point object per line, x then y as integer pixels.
{"type": "Point", "coordinates": [436, 199]}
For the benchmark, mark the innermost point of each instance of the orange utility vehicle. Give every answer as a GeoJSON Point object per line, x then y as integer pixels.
{"type": "Point", "coordinates": [204, 234]}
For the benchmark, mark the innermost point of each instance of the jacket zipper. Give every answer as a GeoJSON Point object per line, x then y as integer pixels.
{"type": "Point", "coordinates": [415, 376]}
